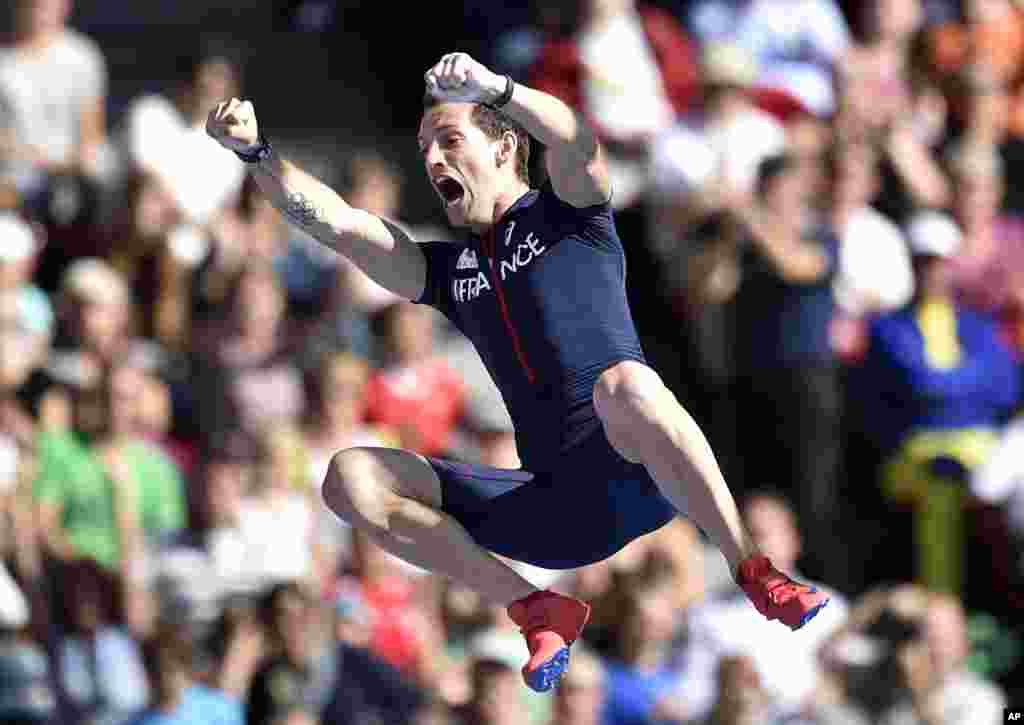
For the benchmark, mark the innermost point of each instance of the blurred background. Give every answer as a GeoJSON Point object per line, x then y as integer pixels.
{"type": "Point", "coordinates": [825, 248]}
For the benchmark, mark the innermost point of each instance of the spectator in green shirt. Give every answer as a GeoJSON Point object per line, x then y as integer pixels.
{"type": "Point", "coordinates": [101, 482]}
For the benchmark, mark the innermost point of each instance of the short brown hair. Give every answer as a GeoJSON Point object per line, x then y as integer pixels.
{"type": "Point", "coordinates": [171, 649]}
{"type": "Point", "coordinates": [495, 123]}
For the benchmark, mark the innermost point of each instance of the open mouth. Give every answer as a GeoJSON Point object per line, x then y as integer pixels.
{"type": "Point", "coordinates": [450, 190]}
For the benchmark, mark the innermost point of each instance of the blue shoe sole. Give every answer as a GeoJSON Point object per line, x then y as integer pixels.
{"type": "Point", "coordinates": [547, 675]}
{"type": "Point", "coordinates": [810, 614]}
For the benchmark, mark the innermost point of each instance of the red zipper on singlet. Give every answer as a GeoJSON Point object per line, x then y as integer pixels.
{"type": "Point", "coordinates": [496, 276]}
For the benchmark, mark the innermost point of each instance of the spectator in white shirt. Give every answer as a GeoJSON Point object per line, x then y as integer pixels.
{"type": "Point", "coordinates": [713, 153]}
{"type": "Point", "coordinates": [192, 572]}
{"type": "Point", "coordinates": [701, 168]}
{"type": "Point", "coordinates": [796, 44]}
{"type": "Point", "coordinates": [278, 518]}
{"type": "Point", "coordinates": [164, 137]}
{"type": "Point", "coordinates": [874, 273]}
{"type": "Point", "coordinates": [874, 261]}
{"type": "Point", "coordinates": [53, 88]}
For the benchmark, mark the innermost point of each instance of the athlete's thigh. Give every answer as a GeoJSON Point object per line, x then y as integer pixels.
{"type": "Point", "coordinates": [405, 473]}
{"type": "Point", "coordinates": [476, 490]}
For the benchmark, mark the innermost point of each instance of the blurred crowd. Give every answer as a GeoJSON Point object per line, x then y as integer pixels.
{"type": "Point", "coordinates": [826, 263]}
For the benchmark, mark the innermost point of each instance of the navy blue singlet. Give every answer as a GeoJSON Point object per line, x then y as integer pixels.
{"type": "Point", "coordinates": [543, 300]}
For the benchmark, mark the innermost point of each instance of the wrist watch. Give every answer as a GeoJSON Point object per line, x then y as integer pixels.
{"type": "Point", "coordinates": [506, 95]}
{"type": "Point", "coordinates": [259, 152]}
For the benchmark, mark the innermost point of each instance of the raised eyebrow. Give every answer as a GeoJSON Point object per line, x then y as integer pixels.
{"type": "Point", "coordinates": [441, 129]}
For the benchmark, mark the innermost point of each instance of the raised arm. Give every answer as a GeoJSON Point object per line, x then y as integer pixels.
{"type": "Point", "coordinates": [575, 158]}
{"type": "Point", "coordinates": [377, 246]}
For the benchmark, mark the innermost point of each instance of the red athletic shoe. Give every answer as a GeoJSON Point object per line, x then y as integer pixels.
{"type": "Point", "coordinates": [551, 623]}
{"type": "Point", "coordinates": [776, 596]}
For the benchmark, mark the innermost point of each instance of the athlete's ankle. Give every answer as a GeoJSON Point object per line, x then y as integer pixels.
{"type": "Point", "coordinates": [737, 567]}
{"type": "Point", "coordinates": [526, 596]}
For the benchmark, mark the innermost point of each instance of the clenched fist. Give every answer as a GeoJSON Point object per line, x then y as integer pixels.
{"type": "Point", "coordinates": [233, 125]}
{"type": "Point", "coordinates": [459, 78]}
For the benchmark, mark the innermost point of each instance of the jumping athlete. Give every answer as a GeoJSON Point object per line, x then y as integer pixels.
{"type": "Point", "coordinates": [608, 452]}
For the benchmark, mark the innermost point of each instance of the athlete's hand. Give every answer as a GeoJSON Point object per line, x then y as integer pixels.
{"type": "Point", "coordinates": [233, 125]}
{"type": "Point", "coordinates": [457, 77]}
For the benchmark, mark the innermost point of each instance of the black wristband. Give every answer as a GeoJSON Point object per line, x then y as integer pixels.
{"type": "Point", "coordinates": [259, 153]}
{"type": "Point", "coordinates": [506, 96]}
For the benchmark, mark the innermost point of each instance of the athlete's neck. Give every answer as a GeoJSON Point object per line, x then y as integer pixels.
{"type": "Point", "coordinates": [502, 203]}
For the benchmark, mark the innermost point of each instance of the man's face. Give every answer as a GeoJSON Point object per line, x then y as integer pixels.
{"type": "Point", "coordinates": [39, 16]}
{"type": "Point", "coordinates": [579, 702]}
{"type": "Point", "coordinates": [412, 336]}
{"type": "Point", "coordinates": [898, 17]}
{"type": "Point", "coordinates": [654, 613]}
{"type": "Point", "coordinates": [215, 80]}
{"type": "Point", "coordinates": [377, 191]}
{"type": "Point", "coordinates": [125, 392]}
{"type": "Point", "coordinates": [344, 388]}
{"type": "Point", "coordinates": [103, 324]}
{"type": "Point", "coordinates": [225, 482]}
{"type": "Point", "coordinates": [773, 530]}
{"type": "Point", "coordinates": [933, 274]}
{"type": "Point", "coordinates": [787, 194]}
{"type": "Point", "coordinates": [497, 694]}
{"type": "Point", "coordinates": [461, 162]}
{"type": "Point", "coordinates": [293, 619]}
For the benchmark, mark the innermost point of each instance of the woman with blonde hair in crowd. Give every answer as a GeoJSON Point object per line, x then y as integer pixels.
{"type": "Point", "coordinates": [279, 511]}
{"type": "Point", "coordinates": [338, 416]}
{"type": "Point", "coordinates": [337, 422]}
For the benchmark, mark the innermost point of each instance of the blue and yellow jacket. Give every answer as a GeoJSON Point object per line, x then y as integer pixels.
{"type": "Point", "coordinates": [901, 391]}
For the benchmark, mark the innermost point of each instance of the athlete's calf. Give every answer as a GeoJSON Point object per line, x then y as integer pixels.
{"type": "Point", "coordinates": [646, 424]}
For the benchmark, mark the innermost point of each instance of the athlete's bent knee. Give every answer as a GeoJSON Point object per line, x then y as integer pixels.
{"type": "Point", "coordinates": [624, 389]}
{"type": "Point", "coordinates": [629, 398]}
{"type": "Point", "coordinates": [353, 488]}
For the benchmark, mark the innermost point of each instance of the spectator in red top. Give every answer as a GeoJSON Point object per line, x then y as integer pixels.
{"type": "Point", "coordinates": [393, 591]}
{"type": "Point", "coordinates": [416, 392]}
{"type": "Point", "coordinates": [631, 70]}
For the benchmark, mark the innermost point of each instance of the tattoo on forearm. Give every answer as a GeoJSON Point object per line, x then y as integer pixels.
{"type": "Point", "coordinates": [301, 210]}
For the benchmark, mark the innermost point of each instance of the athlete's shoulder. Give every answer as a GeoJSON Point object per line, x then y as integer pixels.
{"type": "Point", "coordinates": [593, 225]}
{"type": "Point", "coordinates": [549, 199]}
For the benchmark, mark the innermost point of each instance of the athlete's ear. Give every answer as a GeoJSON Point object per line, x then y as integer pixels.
{"type": "Point", "coordinates": [507, 147]}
